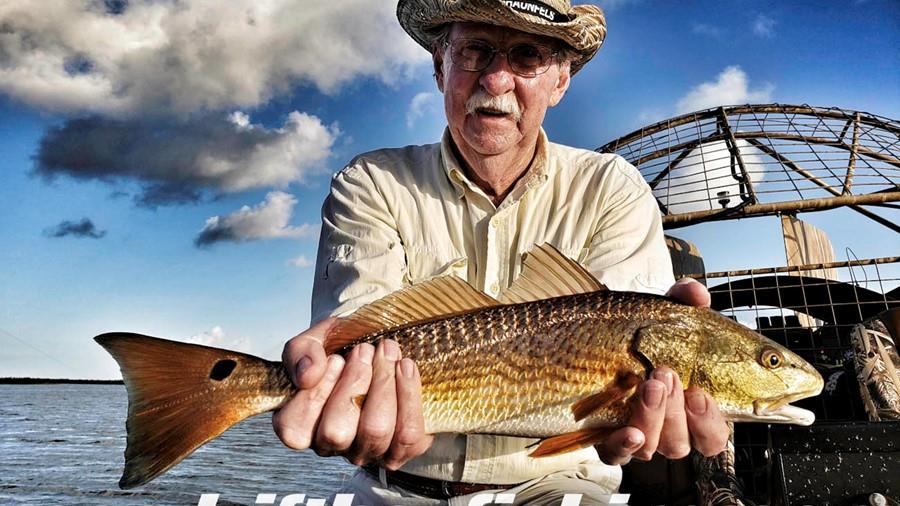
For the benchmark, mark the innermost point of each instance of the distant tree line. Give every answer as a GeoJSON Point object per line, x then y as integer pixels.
{"type": "Point", "coordinates": [51, 381]}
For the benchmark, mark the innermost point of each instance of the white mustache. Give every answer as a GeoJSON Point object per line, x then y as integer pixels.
{"type": "Point", "coordinates": [506, 103]}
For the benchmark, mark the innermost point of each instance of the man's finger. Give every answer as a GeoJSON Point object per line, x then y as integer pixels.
{"type": "Point", "coordinates": [410, 439]}
{"type": "Point", "coordinates": [619, 446]}
{"type": "Point", "coordinates": [709, 431]}
{"type": "Point", "coordinates": [295, 423]}
{"type": "Point", "coordinates": [648, 415]}
{"type": "Point", "coordinates": [674, 441]}
{"type": "Point", "coordinates": [691, 292]}
{"type": "Point", "coordinates": [379, 414]}
{"type": "Point", "coordinates": [304, 355]}
{"type": "Point", "coordinates": [340, 417]}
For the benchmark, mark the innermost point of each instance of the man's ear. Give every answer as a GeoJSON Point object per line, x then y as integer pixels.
{"type": "Point", "coordinates": [437, 58]}
{"type": "Point", "coordinates": [562, 84]}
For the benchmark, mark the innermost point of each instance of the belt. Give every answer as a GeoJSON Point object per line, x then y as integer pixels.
{"type": "Point", "coordinates": [428, 487]}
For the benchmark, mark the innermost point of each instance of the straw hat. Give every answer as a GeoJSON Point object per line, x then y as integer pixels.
{"type": "Point", "coordinates": [583, 27]}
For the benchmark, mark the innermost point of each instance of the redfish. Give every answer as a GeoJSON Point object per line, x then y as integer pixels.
{"type": "Point", "coordinates": [556, 357]}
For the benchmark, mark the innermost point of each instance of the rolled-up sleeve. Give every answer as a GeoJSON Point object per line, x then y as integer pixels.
{"type": "Point", "coordinates": [361, 257]}
{"type": "Point", "coordinates": [627, 248]}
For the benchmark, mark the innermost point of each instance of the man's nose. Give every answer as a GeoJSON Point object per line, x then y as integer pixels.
{"type": "Point", "coordinates": [498, 78]}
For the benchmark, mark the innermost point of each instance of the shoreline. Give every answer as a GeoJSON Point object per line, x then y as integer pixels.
{"type": "Point", "coordinates": [57, 381]}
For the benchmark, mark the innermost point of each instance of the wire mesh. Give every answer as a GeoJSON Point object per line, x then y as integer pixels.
{"type": "Point", "coordinates": [814, 317]}
{"type": "Point", "coordinates": [749, 159]}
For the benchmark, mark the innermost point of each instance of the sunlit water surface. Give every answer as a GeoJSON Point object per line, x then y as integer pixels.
{"type": "Point", "coordinates": [64, 444]}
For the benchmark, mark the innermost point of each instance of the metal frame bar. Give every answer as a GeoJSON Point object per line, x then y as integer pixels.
{"type": "Point", "coordinates": [833, 113]}
{"type": "Point", "coordinates": [796, 268]}
{"type": "Point", "coordinates": [682, 220]}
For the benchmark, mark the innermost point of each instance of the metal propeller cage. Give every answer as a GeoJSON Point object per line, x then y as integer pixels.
{"type": "Point", "coordinates": [757, 160]}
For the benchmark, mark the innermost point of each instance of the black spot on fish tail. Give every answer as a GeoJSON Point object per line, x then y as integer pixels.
{"type": "Point", "coordinates": [222, 369]}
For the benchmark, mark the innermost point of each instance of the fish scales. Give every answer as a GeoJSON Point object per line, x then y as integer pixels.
{"type": "Point", "coordinates": [499, 366]}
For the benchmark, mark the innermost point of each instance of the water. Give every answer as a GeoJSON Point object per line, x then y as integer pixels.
{"type": "Point", "coordinates": [64, 444]}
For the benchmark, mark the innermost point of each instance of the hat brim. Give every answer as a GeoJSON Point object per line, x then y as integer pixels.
{"type": "Point", "coordinates": [584, 31]}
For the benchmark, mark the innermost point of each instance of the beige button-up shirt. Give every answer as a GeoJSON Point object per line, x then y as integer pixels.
{"type": "Point", "coordinates": [400, 216]}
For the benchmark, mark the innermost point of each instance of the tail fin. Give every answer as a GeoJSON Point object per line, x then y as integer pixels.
{"type": "Point", "coordinates": [181, 396]}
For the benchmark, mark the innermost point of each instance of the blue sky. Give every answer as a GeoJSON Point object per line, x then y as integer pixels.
{"type": "Point", "coordinates": [150, 121]}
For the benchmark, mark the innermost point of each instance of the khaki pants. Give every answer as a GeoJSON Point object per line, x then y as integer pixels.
{"type": "Point", "coordinates": [596, 485]}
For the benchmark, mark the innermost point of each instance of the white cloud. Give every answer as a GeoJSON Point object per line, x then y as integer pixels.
{"type": "Point", "coordinates": [298, 145]}
{"type": "Point", "coordinates": [301, 261]}
{"type": "Point", "coordinates": [763, 25]}
{"type": "Point", "coordinates": [216, 338]}
{"type": "Point", "coordinates": [240, 120]}
{"type": "Point", "coordinates": [175, 160]}
{"type": "Point", "coordinates": [730, 87]}
{"type": "Point", "coordinates": [158, 57]}
{"type": "Point", "coordinates": [648, 116]}
{"type": "Point", "coordinates": [267, 220]}
{"type": "Point", "coordinates": [695, 183]}
{"type": "Point", "coordinates": [421, 104]}
{"type": "Point", "coordinates": [83, 228]}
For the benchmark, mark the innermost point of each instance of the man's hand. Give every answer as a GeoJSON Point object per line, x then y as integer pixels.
{"type": "Point", "coordinates": [666, 418]}
{"type": "Point", "coordinates": [326, 415]}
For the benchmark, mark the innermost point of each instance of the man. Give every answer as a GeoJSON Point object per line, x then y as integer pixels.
{"type": "Point", "coordinates": [471, 206]}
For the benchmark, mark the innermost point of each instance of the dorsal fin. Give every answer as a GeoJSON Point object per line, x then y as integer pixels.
{"type": "Point", "coordinates": [434, 298]}
{"type": "Point", "coordinates": [548, 273]}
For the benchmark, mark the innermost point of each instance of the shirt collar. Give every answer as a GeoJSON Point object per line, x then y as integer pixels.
{"type": "Point", "coordinates": [534, 175]}
{"type": "Point", "coordinates": [452, 167]}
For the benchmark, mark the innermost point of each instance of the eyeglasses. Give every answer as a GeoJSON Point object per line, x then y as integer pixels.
{"type": "Point", "coordinates": [526, 60]}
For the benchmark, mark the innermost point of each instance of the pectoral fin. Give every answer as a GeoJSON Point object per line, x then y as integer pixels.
{"type": "Point", "coordinates": [571, 441]}
{"type": "Point", "coordinates": [620, 389]}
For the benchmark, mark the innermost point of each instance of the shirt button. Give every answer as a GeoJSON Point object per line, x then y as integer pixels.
{"type": "Point", "coordinates": [495, 288]}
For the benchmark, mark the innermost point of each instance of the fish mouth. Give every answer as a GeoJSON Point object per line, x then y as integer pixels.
{"type": "Point", "coordinates": [785, 413]}
{"type": "Point", "coordinates": [779, 409]}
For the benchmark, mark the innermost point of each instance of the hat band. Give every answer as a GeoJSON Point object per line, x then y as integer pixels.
{"type": "Point", "coordinates": [539, 9]}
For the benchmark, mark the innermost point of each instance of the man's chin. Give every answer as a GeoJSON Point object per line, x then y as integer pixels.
{"type": "Point", "coordinates": [492, 136]}
{"type": "Point", "coordinates": [489, 145]}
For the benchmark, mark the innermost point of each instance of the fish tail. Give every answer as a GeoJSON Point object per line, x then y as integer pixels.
{"type": "Point", "coordinates": [181, 396]}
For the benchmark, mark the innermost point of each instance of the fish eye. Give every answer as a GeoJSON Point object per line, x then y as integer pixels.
{"type": "Point", "coordinates": [771, 358]}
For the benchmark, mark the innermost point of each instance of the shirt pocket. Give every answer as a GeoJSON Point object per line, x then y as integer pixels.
{"type": "Point", "coordinates": [425, 264]}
